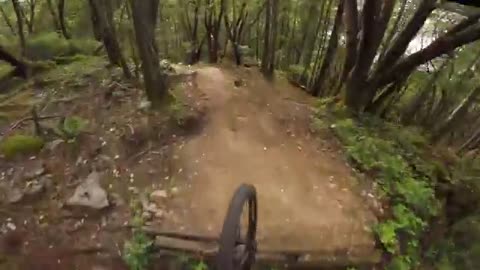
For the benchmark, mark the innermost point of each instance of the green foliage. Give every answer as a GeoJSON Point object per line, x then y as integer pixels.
{"type": "Point", "coordinates": [387, 232]}
{"type": "Point", "coordinates": [177, 109]}
{"type": "Point", "coordinates": [296, 74]}
{"type": "Point", "coordinates": [21, 145]}
{"type": "Point", "coordinates": [200, 266]}
{"type": "Point", "coordinates": [137, 251]}
{"type": "Point", "coordinates": [461, 248]}
{"type": "Point", "coordinates": [72, 127]}
{"type": "Point", "coordinates": [50, 45]}
{"type": "Point", "coordinates": [387, 152]}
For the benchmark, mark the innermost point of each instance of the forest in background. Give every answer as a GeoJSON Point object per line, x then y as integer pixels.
{"type": "Point", "coordinates": [405, 71]}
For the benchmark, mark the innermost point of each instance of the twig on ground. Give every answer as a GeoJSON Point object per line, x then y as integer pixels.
{"type": "Point", "coordinates": [139, 154]}
{"type": "Point", "coordinates": [19, 122]}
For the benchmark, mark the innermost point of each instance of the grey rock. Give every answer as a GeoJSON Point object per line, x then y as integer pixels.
{"type": "Point", "coordinates": [89, 194]}
{"type": "Point", "coordinates": [144, 105]}
{"type": "Point", "coordinates": [35, 172]}
{"type": "Point", "coordinates": [54, 144]}
{"type": "Point", "coordinates": [146, 215]}
{"type": "Point", "coordinates": [151, 208]}
{"type": "Point", "coordinates": [117, 200]}
{"type": "Point", "coordinates": [34, 189]}
{"type": "Point", "coordinates": [158, 194]}
{"type": "Point", "coordinates": [14, 195]}
{"type": "Point", "coordinates": [159, 213]}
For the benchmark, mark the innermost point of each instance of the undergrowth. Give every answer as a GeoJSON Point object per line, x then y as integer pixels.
{"type": "Point", "coordinates": [21, 144]}
{"type": "Point", "coordinates": [136, 252]}
{"type": "Point", "coordinates": [387, 152]}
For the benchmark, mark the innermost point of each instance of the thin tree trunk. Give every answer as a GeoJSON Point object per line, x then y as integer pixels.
{"type": "Point", "coordinates": [103, 12]}
{"type": "Point", "coordinates": [470, 141]}
{"type": "Point", "coordinates": [18, 12]}
{"type": "Point", "coordinates": [454, 119]}
{"type": "Point", "coordinates": [273, 38]}
{"type": "Point", "coordinates": [443, 45]}
{"type": "Point", "coordinates": [394, 29]}
{"type": "Point", "coordinates": [351, 31]}
{"type": "Point", "coordinates": [7, 21]}
{"type": "Point", "coordinates": [329, 54]}
{"type": "Point", "coordinates": [61, 18]}
{"type": "Point", "coordinates": [266, 40]}
{"type": "Point", "coordinates": [51, 9]}
{"type": "Point", "coordinates": [31, 20]}
{"type": "Point", "coordinates": [404, 38]}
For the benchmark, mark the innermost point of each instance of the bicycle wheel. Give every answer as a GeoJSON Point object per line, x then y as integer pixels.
{"type": "Point", "coordinates": [237, 251]}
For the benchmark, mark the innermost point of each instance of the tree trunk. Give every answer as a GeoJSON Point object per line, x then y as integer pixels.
{"type": "Point", "coordinates": [350, 18]}
{"type": "Point", "coordinates": [103, 11]}
{"type": "Point", "coordinates": [61, 19]}
{"type": "Point", "coordinates": [7, 21]}
{"type": "Point", "coordinates": [212, 27]}
{"type": "Point", "coordinates": [31, 21]}
{"type": "Point", "coordinates": [21, 68]}
{"type": "Point", "coordinates": [454, 119]}
{"type": "Point", "coordinates": [51, 9]}
{"type": "Point", "coordinates": [307, 22]}
{"type": "Point", "coordinates": [273, 38]}
{"type": "Point", "coordinates": [18, 13]}
{"type": "Point", "coordinates": [234, 30]}
{"type": "Point", "coordinates": [356, 86]}
{"type": "Point", "coordinates": [329, 54]}
{"type": "Point", "coordinates": [394, 29]}
{"type": "Point", "coordinates": [270, 38]}
{"type": "Point", "coordinates": [154, 80]}
{"type": "Point", "coordinates": [443, 45]}
{"type": "Point", "coordinates": [266, 40]}
{"type": "Point", "coordinates": [404, 38]}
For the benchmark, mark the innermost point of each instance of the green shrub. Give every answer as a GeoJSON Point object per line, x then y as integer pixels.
{"type": "Point", "coordinates": [137, 251]}
{"type": "Point", "coordinates": [50, 45]}
{"type": "Point", "coordinates": [83, 46]}
{"type": "Point", "coordinates": [46, 46]}
{"type": "Point", "coordinates": [72, 127]}
{"type": "Point", "coordinates": [393, 156]}
{"type": "Point", "coordinates": [21, 145]}
{"type": "Point", "coordinates": [296, 75]}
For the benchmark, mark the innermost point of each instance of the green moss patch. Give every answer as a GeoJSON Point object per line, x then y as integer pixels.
{"type": "Point", "coordinates": [21, 145]}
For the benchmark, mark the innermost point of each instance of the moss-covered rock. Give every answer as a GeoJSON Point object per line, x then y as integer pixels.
{"type": "Point", "coordinates": [21, 145]}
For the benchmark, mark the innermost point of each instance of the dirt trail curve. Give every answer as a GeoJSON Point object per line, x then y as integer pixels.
{"type": "Point", "coordinates": [254, 135]}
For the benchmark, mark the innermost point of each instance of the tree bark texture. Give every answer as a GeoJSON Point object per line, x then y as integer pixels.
{"type": "Point", "coordinates": [144, 24]}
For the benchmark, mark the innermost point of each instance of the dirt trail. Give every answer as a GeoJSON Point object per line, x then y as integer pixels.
{"type": "Point", "coordinates": [256, 134]}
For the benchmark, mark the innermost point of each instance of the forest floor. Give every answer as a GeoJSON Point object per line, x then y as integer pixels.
{"type": "Point", "coordinates": [248, 130]}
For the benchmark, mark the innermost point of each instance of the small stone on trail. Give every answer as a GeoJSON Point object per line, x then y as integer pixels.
{"type": "Point", "coordinates": [53, 144]}
{"type": "Point", "coordinates": [90, 194]}
{"type": "Point", "coordinates": [37, 171]}
{"type": "Point", "coordinates": [14, 195]}
{"type": "Point", "coordinates": [159, 213]}
{"type": "Point", "coordinates": [144, 105]}
{"type": "Point", "coordinates": [174, 190]}
{"type": "Point", "coordinates": [11, 226]}
{"type": "Point", "coordinates": [238, 83]}
{"type": "Point", "coordinates": [158, 195]}
{"type": "Point", "coordinates": [35, 188]}
{"type": "Point", "coordinates": [117, 200]}
{"type": "Point", "coordinates": [147, 215]}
